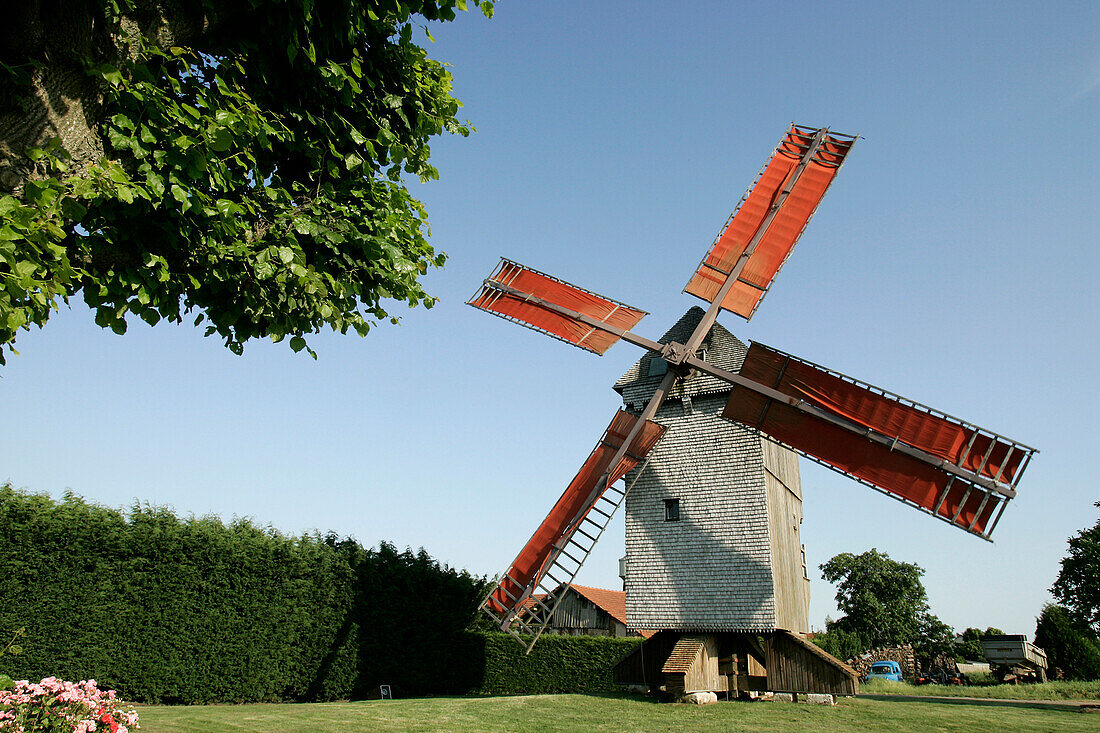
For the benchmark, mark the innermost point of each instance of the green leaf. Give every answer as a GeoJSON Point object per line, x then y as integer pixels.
{"type": "Point", "coordinates": [221, 140]}
{"type": "Point", "coordinates": [116, 174]}
{"type": "Point", "coordinates": [24, 268]}
{"type": "Point", "coordinates": [111, 74]}
{"type": "Point", "coordinates": [179, 194]}
{"type": "Point", "coordinates": [297, 343]}
{"type": "Point", "coordinates": [123, 122]}
{"type": "Point", "coordinates": [286, 254]}
{"type": "Point", "coordinates": [154, 183]}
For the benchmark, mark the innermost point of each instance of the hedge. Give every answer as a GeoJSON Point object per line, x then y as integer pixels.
{"type": "Point", "coordinates": [557, 664]}
{"type": "Point", "coordinates": [171, 610]}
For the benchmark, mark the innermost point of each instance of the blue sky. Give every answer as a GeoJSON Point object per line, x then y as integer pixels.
{"type": "Point", "coordinates": [953, 261]}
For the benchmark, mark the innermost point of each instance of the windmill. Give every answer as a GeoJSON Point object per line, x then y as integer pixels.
{"type": "Point", "coordinates": [946, 467]}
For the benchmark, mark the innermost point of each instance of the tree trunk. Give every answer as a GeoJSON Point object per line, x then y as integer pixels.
{"type": "Point", "coordinates": [52, 43]}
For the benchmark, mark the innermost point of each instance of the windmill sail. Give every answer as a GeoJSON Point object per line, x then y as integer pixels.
{"type": "Point", "coordinates": [770, 218]}
{"type": "Point", "coordinates": [554, 307]}
{"type": "Point", "coordinates": [947, 467]}
{"type": "Point", "coordinates": [555, 543]}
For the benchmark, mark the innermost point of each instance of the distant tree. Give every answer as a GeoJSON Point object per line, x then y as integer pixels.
{"type": "Point", "coordinates": [970, 647]}
{"type": "Point", "coordinates": [936, 639]}
{"type": "Point", "coordinates": [882, 600]}
{"type": "Point", "coordinates": [1071, 648]}
{"type": "Point", "coordinates": [840, 643]}
{"type": "Point", "coordinates": [884, 604]}
{"type": "Point", "coordinates": [243, 159]}
{"type": "Point", "coordinates": [1078, 585]}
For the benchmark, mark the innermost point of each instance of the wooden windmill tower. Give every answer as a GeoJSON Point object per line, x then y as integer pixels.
{"type": "Point", "coordinates": [724, 488]}
{"type": "Point", "coordinates": [713, 523]}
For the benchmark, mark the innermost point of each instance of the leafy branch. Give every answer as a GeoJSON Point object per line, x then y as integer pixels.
{"type": "Point", "coordinates": [252, 174]}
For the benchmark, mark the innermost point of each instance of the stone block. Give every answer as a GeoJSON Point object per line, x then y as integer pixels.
{"type": "Point", "coordinates": [817, 698]}
{"type": "Point", "coordinates": [699, 698]}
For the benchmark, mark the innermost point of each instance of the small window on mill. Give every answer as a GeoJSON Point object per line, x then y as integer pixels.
{"type": "Point", "coordinates": [672, 510]}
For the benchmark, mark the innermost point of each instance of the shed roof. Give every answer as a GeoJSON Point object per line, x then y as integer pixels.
{"type": "Point", "coordinates": [683, 654]}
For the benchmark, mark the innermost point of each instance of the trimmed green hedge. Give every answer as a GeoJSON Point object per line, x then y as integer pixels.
{"type": "Point", "coordinates": [174, 610]}
{"type": "Point", "coordinates": [557, 664]}
{"type": "Point", "coordinates": [167, 609]}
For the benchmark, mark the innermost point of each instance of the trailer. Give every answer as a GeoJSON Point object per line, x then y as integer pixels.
{"type": "Point", "coordinates": [1012, 658]}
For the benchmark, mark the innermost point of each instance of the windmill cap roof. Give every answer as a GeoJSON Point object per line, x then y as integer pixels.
{"type": "Point", "coordinates": [723, 350]}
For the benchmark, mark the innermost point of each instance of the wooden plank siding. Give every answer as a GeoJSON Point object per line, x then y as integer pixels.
{"type": "Point", "coordinates": [692, 666]}
{"type": "Point", "coordinates": [799, 666]}
{"type": "Point", "coordinates": [784, 491]}
{"type": "Point", "coordinates": [643, 665]}
{"type": "Point", "coordinates": [577, 615]}
{"type": "Point", "coordinates": [780, 662]}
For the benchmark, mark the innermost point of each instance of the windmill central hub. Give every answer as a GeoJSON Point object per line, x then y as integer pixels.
{"type": "Point", "coordinates": [675, 353]}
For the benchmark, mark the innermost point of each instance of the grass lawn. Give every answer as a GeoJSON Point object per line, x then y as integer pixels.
{"type": "Point", "coordinates": [605, 713]}
{"type": "Point", "coordinates": [1060, 690]}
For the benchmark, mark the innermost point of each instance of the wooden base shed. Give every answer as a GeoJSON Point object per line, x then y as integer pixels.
{"type": "Point", "coordinates": [735, 663]}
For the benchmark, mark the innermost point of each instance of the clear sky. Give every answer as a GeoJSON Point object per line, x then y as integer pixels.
{"type": "Point", "coordinates": [953, 261]}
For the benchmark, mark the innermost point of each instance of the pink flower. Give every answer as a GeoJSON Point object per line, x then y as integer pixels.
{"type": "Point", "coordinates": [73, 706]}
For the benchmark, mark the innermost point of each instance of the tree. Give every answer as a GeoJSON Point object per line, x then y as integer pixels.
{"type": "Point", "coordinates": [840, 643]}
{"type": "Point", "coordinates": [243, 159]}
{"type": "Point", "coordinates": [1072, 649]}
{"type": "Point", "coordinates": [884, 603]}
{"type": "Point", "coordinates": [1078, 585]}
{"type": "Point", "coordinates": [970, 648]}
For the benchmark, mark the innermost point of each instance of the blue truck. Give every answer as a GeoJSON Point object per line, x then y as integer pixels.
{"type": "Point", "coordinates": [885, 670]}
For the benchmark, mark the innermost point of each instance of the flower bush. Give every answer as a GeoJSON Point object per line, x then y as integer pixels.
{"type": "Point", "coordinates": [57, 706]}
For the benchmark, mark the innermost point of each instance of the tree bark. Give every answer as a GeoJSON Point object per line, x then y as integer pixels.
{"type": "Point", "coordinates": [53, 43]}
